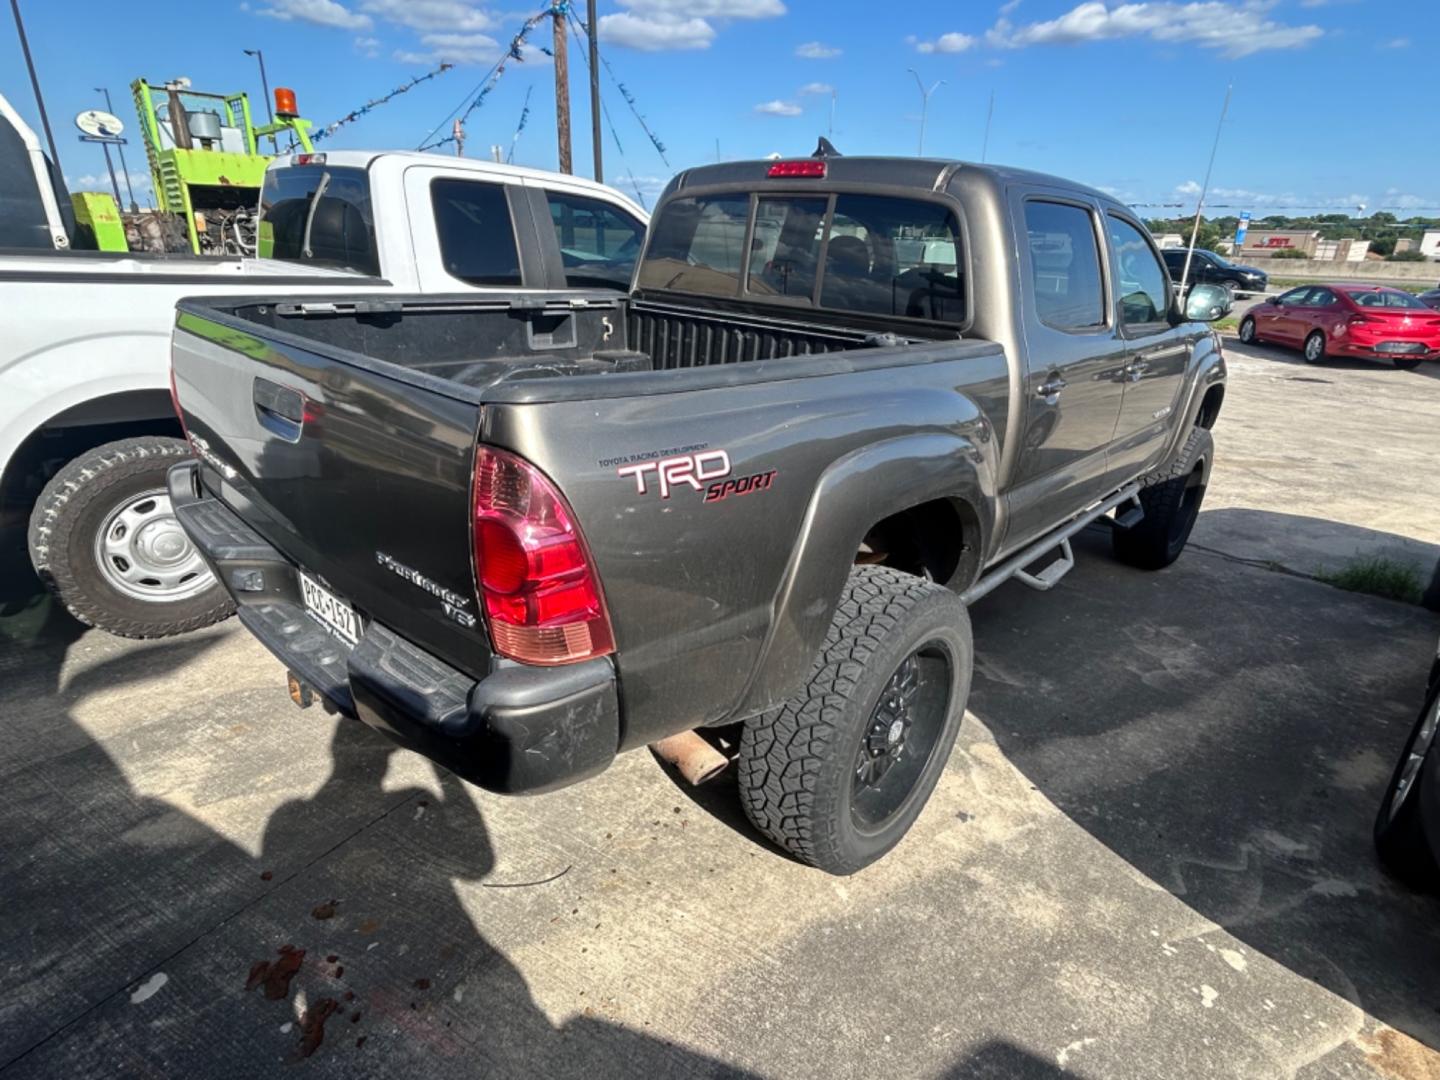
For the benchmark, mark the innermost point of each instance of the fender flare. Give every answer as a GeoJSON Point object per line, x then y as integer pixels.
{"type": "Point", "coordinates": [856, 491]}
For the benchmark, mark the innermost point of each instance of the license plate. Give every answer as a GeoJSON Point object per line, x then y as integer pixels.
{"type": "Point", "coordinates": [1401, 347]}
{"type": "Point", "coordinates": [336, 615]}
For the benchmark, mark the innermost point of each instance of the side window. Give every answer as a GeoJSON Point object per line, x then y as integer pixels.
{"type": "Point", "coordinates": [1322, 298]}
{"type": "Point", "coordinates": [1064, 265]}
{"type": "Point", "coordinates": [697, 246]}
{"type": "Point", "coordinates": [1295, 297]}
{"type": "Point", "coordinates": [598, 242]}
{"type": "Point", "coordinates": [785, 253]}
{"type": "Point", "coordinates": [477, 237]}
{"type": "Point", "coordinates": [1140, 280]}
{"type": "Point", "coordinates": [894, 256]}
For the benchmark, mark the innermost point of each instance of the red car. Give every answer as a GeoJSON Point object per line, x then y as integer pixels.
{"type": "Point", "coordinates": [1371, 321]}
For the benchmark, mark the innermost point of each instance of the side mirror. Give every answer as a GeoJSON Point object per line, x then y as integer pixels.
{"type": "Point", "coordinates": [1206, 303]}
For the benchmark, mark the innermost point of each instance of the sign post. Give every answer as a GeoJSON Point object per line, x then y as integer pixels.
{"type": "Point", "coordinates": [1240, 229]}
{"type": "Point", "coordinates": [103, 128]}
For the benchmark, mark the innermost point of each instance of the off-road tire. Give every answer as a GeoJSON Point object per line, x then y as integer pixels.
{"type": "Point", "coordinates": [1249, 334]}
{"type": "Point", "coordinates": [796, 763]}
{"type": "Point", "coordinates": [70, 511]}
{"type": "Point", "coordinates": [1318, 350]}
{"type": "Point", "coordinates": [1407, 363]}
{"type": "Point", "coordinates": [1410, 850]}
{"type": "Point", "coordinates": [1171, 500]}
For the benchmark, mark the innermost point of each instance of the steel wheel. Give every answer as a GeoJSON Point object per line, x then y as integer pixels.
{"type": "Point", "coordinates": [143, 553]}
{"type": "Point", "coordinates": [904, 728]}
{"type": "Point", "coordinates": [1409, 770]}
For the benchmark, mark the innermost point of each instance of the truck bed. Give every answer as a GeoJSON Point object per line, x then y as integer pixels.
{"type": "Point", "coordinates": [461, 341]}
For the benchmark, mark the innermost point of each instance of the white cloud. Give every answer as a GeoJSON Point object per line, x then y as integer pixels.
{"type": "Point", "coordinates": [655, 34]}
{"type": "Point", "coordinates": [779, 108]}
{"type": "Point", "coordinates": [456, 49]}
{"type": "Point", "coordinates": [708, 9]}
{"type": "Point", "coordinates": [660, 25]}
{"type": "Point", "coordinates": [1235, 27]}
{"type": "Point", "coordinates": [945, 43]}
{"type": "Point", "coordinates": [449, 16]}
{"type": "Point", "coordinates": [318, 12]}
{"type": "Point", "coordinates": [1009, 6]}
{"type": "Point", "coordinates": [1189, 187]}
{"type": "Point", "coordinates": [816, 50]}
{"type": "Point", "coordinates": [370, 46]}
{"type": "Point", "coordinates": [139, 181]}
{"type": "Point", "coordinates": [1397, 43]}
{"type": "Point", "coordinates": [817, 88]}
{"type": "Point", "coordinates": [1239, 197]}
{"type": "Point", "coordinates": [1400, 200]}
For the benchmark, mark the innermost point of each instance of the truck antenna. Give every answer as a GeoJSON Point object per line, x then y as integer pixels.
{"type": "Point", "coordinates": [1205, 187]}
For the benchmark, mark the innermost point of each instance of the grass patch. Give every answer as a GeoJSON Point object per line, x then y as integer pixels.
{"type": "Point", "coordinates": [1230, 322]}
{"type": "Point", "coordinates": [1378, 576]}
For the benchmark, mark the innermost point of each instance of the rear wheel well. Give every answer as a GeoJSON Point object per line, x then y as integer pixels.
{"type": "Point", "coordinates": [63, 438]}
{"type": "Point", "coordinates": [1210, 407]}
{"type": "Point", "coordinates": [938, 540]}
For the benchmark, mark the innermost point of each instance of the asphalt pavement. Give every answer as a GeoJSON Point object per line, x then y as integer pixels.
{"type": "Point", "coordinates": [1149, 855]}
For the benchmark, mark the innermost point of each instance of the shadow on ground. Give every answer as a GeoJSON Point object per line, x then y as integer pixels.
{"type": "Point", "coordinates": [134, 926]}
{"type": "Point", "coordinates": [1230, 739]}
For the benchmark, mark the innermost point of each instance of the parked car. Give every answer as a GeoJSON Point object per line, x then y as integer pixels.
{"type": "Point", "coordinates": [1372, 321]}
{"type": "Point", "coordinates": [1208, 268]}
{"type": "Point", "coordinates": [519, 534]}
{"type": "Point", "coordinates": [1430, 298]}
{"type": "Point", "coordinates": [87, 428]}
{"type": "Point", "coordinates": [1407, 828]}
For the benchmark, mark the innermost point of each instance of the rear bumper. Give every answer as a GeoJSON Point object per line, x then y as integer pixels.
{"type": "Point", "coordinates": [1374, 350]}
{"type": "Point", "coordinates": [519, 729]}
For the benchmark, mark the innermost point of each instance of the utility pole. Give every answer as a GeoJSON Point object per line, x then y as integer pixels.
{"type": "Point", "coordinates": [924, 105]}
{"type": "Point", "coordinates": [134, 206]}
{"type": "Point", "coordinates": [562, 82]}
{"type": "Point", "coordinates": [265, 86]}
{"type": "Point", "coordinates": [594, 34]}
{"type": "Point", "coordinates": [35, 84]}
{"type": "Point", "coordinates": [457, 132]}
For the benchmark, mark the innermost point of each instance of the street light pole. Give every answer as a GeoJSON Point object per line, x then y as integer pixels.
{"type": "Point", "coordinates": [134, 206]}
{"type": "Point", "coordinates": [924, 105]}
{"type": "Point", "coordinates": [265, 86]}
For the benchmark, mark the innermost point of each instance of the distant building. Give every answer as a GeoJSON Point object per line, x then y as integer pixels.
{"type": "Point", "coordinates": [1262, 243]}
{"type": "Point", "coordinates": [1341, 250]}
{"type": "Point", "coordinates": [1404, 244]}
{"type": "Point", "coordinates": [1169, 240]}
{"type": "Point", "coordinates": [1430, 244]}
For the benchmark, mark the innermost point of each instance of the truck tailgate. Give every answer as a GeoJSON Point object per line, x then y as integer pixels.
{"type": "Point", "coordinates": [358, 477]}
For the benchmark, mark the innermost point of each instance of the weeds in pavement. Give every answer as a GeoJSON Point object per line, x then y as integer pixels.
{"type": "Point", "coordinates": [1378, 576]}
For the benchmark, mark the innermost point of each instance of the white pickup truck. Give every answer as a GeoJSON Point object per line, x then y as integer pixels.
{"type": "Point", "coordinates": [87, 426]}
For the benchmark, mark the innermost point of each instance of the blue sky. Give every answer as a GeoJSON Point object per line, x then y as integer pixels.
{"type": "Point", "coordinates": [1333, 102]}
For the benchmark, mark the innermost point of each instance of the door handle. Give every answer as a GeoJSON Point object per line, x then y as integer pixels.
{"type": "Point", "coordinates": [1050, 389]}
{"type": "Point", "coordinates": [1137, 369]}
{"type": "Point", "coordinates": [279, 409]}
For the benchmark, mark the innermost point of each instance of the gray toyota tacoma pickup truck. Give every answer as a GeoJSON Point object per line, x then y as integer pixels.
{"type": "Point", "coordinates": [844, 398]}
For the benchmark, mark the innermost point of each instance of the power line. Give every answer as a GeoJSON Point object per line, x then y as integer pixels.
{"type": "Point", "coordinates": [624, 93]}
{"type": "Point", "coordinates": [605, 109]}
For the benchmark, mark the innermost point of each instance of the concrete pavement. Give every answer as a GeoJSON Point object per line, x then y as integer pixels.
{"type": "Point", "coordinates": [1149, 855]}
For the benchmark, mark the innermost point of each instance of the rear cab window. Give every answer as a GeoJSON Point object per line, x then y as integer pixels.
{"type": "Point", "coordinates": [476, 231]}
{"type": "Point", "coordinates": [861, 254]}
{"type": "Point", "coordinates": [320, 216]}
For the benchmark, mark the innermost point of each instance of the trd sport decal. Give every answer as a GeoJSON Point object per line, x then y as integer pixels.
{"type": "Point", "coordinates": [708, 471]}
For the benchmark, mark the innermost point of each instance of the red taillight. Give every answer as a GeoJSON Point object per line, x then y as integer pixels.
{"type": "Point", "coordinates": [537, 584]}
{"type": "Point", "coordinates": [807, 167]}
{"type": "Point", "coordinates": [1360, 320]}
{"type": "Point", "coordinates": [307, 159]}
